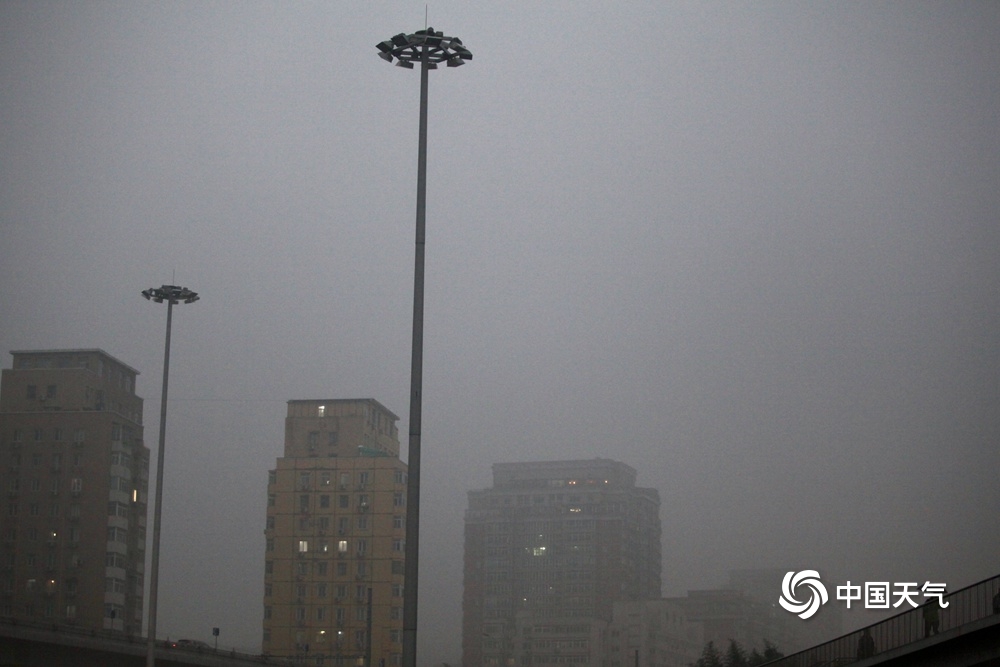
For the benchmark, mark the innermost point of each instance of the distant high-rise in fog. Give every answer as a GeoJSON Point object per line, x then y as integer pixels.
{"type": "Point", "coordinates": [548, 549]}
{"type": "Point", "coordinates": [333, 569]}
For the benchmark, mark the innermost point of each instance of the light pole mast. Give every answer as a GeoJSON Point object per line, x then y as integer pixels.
{"type": "Point", "coordinates": [171, 294]}
{"type": "Point", "coordinates": [429, 48]}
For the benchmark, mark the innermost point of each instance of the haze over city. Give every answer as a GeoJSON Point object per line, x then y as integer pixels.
{"type": "Point", "coordinates": [749, 249]}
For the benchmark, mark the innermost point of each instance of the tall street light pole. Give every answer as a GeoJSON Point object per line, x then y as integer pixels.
{"type": "Point", "coordinates": [429, 48]}
{"type": "Point", "coordinates": [171, 294]}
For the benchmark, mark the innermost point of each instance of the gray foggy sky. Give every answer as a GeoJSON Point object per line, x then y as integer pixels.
{"type": "Point", "coordinates": [750, 249]}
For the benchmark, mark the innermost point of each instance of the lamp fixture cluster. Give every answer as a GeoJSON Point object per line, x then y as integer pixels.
{"type": "Point", "coordinates": [435, 46]}
{"type": "Point", "coordinates": [170, 293]}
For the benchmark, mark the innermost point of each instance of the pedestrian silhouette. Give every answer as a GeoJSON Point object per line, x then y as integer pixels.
{"type": "Point", "coordinates": [932, 620]}
{"type": "Point", "coordinates": [866, 645]}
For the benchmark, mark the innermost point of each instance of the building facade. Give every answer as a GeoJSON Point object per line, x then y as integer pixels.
{"type": "Point", "coordinates": [74, 474]}
{"type": "Point", "coordinates": [548, 549]}
{"type": "Point", "coordinates": [335, 529]}
{"type": "Point", "coordinates": [652, 633]}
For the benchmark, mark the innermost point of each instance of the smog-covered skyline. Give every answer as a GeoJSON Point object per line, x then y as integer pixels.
{"type": "Point", "coordinates": [749, 249]}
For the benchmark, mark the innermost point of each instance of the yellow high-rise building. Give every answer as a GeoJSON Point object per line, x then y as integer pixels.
{"type": "Point", "coordinates": [335, 528]}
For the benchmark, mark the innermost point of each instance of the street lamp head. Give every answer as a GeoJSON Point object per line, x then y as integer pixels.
{"type": "Point", "coordinates": [436, 46]}
{"type": "Point", "coordinates": [171, 294]}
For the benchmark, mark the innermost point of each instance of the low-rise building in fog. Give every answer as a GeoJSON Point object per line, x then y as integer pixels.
{"type": "Point", "coordinates": [652, 633]}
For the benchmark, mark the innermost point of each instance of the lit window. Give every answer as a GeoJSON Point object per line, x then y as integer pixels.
{"type": "Point", "coordinates": [303, 546]}
{"type": "Point", "coordinates": [321, 411]}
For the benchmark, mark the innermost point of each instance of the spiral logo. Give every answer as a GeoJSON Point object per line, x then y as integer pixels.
{"type": "Point", "coordinates": [817, 595]}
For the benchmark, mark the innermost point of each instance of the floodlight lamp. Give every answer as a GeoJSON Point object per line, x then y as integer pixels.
{"type": "Point", "coordinates": [385, 56]}
{"type": "Point", "coordinates": [404, 63]}
{"type": "Point", "coordinates": [401, 39]}
{"type": "Point", "coordinates": [385, 47]}
{"type": "Point", "coordinates": [455, 61]}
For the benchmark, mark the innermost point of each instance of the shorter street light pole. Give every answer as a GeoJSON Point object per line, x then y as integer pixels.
{"type": "Point", "coordinates": [428, 48]}
{"type": "Point", "coordinates": [171, 294]}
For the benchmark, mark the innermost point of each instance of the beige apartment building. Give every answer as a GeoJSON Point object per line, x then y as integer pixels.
{"type": "Point", "coordinates": [334, 533]}
{"type": "Point", "coordinates": [73, 476]}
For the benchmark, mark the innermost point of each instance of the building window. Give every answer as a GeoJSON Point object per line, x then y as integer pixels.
{"type": "Point", "coordinates": [269, 544]}
{"type": "Point", "coordinates": [397, 545]}
{"type": "Point", "coordinates": [303, 546]}
{"type": "Point", "coordinates": [32, 391]}
{"type": "Point", "coordinates": [398, 500]}
{"type": "Point", "coordinates": [324, 501]}
{"type": "Point", "coordinates": [270, 500]}
{"type": "Point", "coordinates": [267, 613]}
{"type": "Point", "coordinates": [321, 590]}
{"type": "Point", "coordinates": [39, 434]}
{"type": "Point", "coordinates": [342, 546]}
{"type": "Point", "coordinates": [399, 477]}
{"type": "Point", "coordinates": [397, 522]}
{"type": "Point", "coordinates": [324, 479]}
{"type": "Point", "coordinates": [303, 480]}
{"type": "Point", "coordinates": [332, 438]}
{"type": "Point", "coordinates": [272, 477]}
{"type": "Point", "coordinates": [304, 503]}
{"type": "Point", "coordinates": [321, 411]}
{"type": "Point", "coordinates": [344, 501]}
{"type": "Point", "coordinates": [76, 486]}
{"type": "Point", "coordinates": [313, 438]}
{"type": "Point", "coordinates": [50, 391]}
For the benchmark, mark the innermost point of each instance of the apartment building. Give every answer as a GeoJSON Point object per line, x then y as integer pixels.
{"type": "Point", "coordinates": [74, 474]}
{"type": "Point", "coordinates": [548, 550]}
{"type": "Point", "coordinates": [334, 536]}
